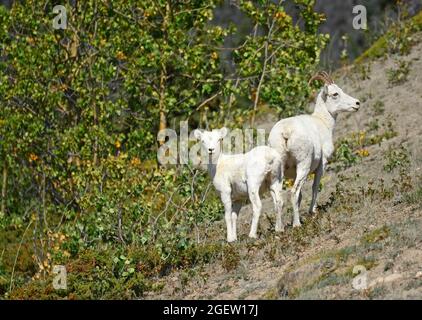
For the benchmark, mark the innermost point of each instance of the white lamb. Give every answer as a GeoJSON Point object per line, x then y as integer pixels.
{"type": "Point", "coordinates": [240, 176]}
{"type": "Point", "coordinates": [305, 142]}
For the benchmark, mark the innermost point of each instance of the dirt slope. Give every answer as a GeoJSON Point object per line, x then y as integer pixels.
{"type": "Point", "coordinates": [368, 216]}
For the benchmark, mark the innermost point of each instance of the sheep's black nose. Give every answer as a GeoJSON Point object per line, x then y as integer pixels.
{"type": "Point", "coordinates": [357, 103]}
{"type": "Point", "coordinates": [210, 150]}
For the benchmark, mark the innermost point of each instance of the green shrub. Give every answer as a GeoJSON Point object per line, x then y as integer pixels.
{"type": "Point", "coordinates": [396, 157]}
{"type": "Point", "coordinates": [81, 109]}
{"type": "Point", "coordinates": [398, 75]}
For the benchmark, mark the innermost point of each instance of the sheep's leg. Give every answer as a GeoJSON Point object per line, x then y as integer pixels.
{"type": "Point", "coordinates": [299, 202]}
{"type": "Point", "coordinates": [256, 207]}
{"type": "Point", "coordinates": [237, 205]}
{"type": "Point", "coordinates": [301, 174]}
{"type": "Point", "coordinates": [227, 201]}
{"type": "Point", "coordinates": [317, 179]}
{"type": "Point", "coordinates": [276, 189]}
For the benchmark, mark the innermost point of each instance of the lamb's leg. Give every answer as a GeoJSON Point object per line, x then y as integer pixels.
{"type": "Point", "coordinates": [256, 207]}
{"type": "Point", "coordinates": [276, 189]}
{"type": "Point", "coordinates": [318, 175]}
{"type": "Point", "coordinates": [237, 205]}
{"type": "Point", "coordinates": [301, 173]}
{"type": "Point", "coordinates": [227, 201]}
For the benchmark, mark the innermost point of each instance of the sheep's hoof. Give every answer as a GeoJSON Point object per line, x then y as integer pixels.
{"type": "Point", "coordinates": [231, 239]}
{"type": "Point", "coordinates": [253, 236]}
{"type": "Point", "coordinates": [296, 224]}
{"type": "Point", "coordinates": [279, 230]}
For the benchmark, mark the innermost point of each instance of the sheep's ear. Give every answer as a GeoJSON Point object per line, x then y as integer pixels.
{"type": "Point", "coordinates": [325, 92]}
{"type": "Point", "coordinates": [197, 134]}
{"type": "Point", "coordinates": [223, 132]}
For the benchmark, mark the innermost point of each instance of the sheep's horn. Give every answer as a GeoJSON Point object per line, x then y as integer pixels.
{"type": "Point", "coordinates": [327, 76]}
{"type": "Point", "coordinates": [322, 76]}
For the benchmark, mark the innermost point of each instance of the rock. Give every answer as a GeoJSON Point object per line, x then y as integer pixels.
{"type": "Point", "coordinates": [387, 279]}
{"type": "Point", "coordinates": [393, 277]}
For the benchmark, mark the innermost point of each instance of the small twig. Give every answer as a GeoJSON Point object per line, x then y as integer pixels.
{"type": "Point", "coordinates": [119, 226]}
{"type": "Point", "coordinates": [2, 253]}
{"type": "Point", "coordinates": [167, 206]}
{"type": "Point", "coordinates": [261, 80]}
{"type": "Point", "coordinates": [17, 254]}
{"type": "Point", "coordinates": [208, 100]}
{"type": "Point", "coordinates": [206, 192]}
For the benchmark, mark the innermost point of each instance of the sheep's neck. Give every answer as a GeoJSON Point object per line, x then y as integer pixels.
{"type": "Point", "coordinates": [321, 112]}
{"type": "Point", "coordinates": [212, 165]}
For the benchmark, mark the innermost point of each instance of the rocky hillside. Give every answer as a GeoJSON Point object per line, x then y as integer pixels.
{"type": "Point", "coordinates": [370, 212]}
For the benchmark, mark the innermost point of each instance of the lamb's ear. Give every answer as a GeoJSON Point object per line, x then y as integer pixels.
{"type": "Point", "coordinates": [223, 132]}
{"type": "Point", "coordinates": [197, 134]}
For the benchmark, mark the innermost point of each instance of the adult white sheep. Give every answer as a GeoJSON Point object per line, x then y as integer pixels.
{"type": "Point", "coordinates": [305, 142]}
{"type": "Point", "coordinates": [241, 176]}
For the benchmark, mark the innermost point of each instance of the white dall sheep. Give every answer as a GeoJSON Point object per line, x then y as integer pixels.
{"type": "Point", "coordinates": [305, 142]}
{"type": "Point", "coordinates": [237, 177]}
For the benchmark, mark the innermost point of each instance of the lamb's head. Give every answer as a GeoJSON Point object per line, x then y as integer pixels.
{"type": "Point", "coordinates": [211, 140]}
{"type": "Point", "coordinates": [335, 99]}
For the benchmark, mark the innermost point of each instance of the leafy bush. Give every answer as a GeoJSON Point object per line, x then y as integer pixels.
{"type": "Point", "coordinates": [81, 109]}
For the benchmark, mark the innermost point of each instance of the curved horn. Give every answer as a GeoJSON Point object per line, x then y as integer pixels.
{"type": "Point", "coordinates": [322, 75]}
{"type": "Point", "coordinates": [327, 76]}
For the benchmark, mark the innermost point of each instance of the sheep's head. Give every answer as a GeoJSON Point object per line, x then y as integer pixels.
{"type": "Point", "coordinates": [210, 140]}
{"type": "Point", "coordinates": [335, 99]}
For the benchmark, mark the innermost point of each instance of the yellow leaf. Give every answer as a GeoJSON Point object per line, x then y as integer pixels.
{"type": "Point", "coordinates": [33, 157]}
{"type": "Point", "coordinates": [120, 55]}
{"type": "Point", "coordinates": [135, 161]}
{"type": "Point", "coordinates": [363, 152]}
{"type": "Point", "coordinates": [289, 183]}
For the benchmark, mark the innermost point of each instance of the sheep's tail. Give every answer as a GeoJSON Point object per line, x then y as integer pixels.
{"type": "Point", "coordinates": [286, 136]}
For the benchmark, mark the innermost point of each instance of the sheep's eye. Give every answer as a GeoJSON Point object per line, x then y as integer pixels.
{"type": "Point", "coordinates": [335, 94]}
